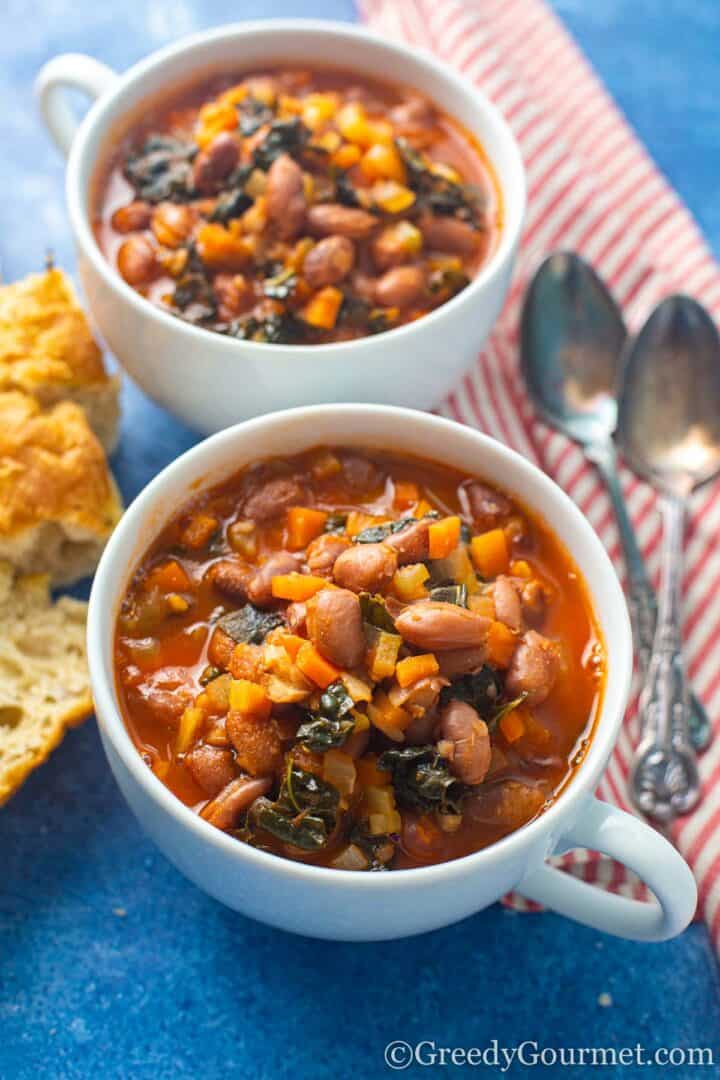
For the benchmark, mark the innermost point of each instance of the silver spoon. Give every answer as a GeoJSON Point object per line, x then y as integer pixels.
{"type": "Point", "coordinates": [573, 337]}
{"type": "Point", "coordinates": [669, 430]}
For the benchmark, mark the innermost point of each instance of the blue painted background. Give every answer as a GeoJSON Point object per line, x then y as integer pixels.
{"type": "Point", "coordinates": [111, 965]}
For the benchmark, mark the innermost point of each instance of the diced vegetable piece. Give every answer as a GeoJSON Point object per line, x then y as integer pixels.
{"type": "Point", "coordinates": [315, 667]}
{"type": "Point", "coordinates": [351, 857]}
{"type": "Point", "coordinates": [358, 521]}
{"type": "Point", "coordinates": [213, 118]}
{"type": "Point", "coordinates": [501, 644]}
{"type": "Point", "coordinates": [512, 725]}
{"type": "Point", "coordinates": [168, 577]}
{"type": "Point", "coordinates": [391, 197]}
{"type": "Point", "coordinates": [388, 718]}
{"type": "Point", "coordinates": [358, 689]}
{"type": "Point", "coordinates": [248, 697]}
{"type": "Point", "coordinates": [217, 692]}
{"type": "Point", "coordinates": [339, 770]}
{"type": "Point", "coordinates": [291, 643]}
{"type": "Point", "coordinates": [443, 537]}
{"type": "Point", "coordinates": [326, 464]}
{"type": "Point", "coordinates": [191, 722]}
{"type": "Point", "coordinates": [490, 553]}
{"type": "Point", "coordinates": [241, 537]}
{"type": "Point", "coordinates": [322, 311]}
{"type": "Point", "coordinates": [384, 824]}
{"type": "Point", "coordinates": [296, 586]}
{"type": "Point", "coordinates": [413, 668]}
{"type": "Point", "coordinates": [381, 799]}
{"type": "Point", "coordinates": [317, 109]}
{"type": "Point", "coordinates": [422, 509]}
{"type": "Point", "coordinates": [220, 249]}
{"type": "Point", "coordinates": [177, 603]}
{"type": "Point", "coordinates": [355, 126]}
{"type": "Point", "coordinates": [456, 567]}
{"type": "Point", "coordinates": [381, 161]}
{"type": "Point", "coordinates": [409, 582]}
{"type": "Point", "coordinates": [198, 531]}
{"type": "Point", "coordinates": [521, 568]}
{"type": "Point", "coordinates": [382, 654]}
{"type": "Point", "coordinates": [303, 525]}
{"type": "Point", "coordinates": [406, 494]}
{"type": "Point", "coordinates": [482, 604]}
{"type": "Point", "coordinates": [346, 156]}
{"type": "Point", "coordinates": [368, 774]}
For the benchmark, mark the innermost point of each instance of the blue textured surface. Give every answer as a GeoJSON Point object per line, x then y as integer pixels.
{"type": "Point", "coordinates": [111, 964]}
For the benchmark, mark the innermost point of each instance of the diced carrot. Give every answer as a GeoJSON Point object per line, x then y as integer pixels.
{"type": "Point", "coordinates": [381, 161]}
{"type": "Point", "coordinates": [406, 494]}
{"type": "Point", "coordinates": [168, 577]}
{"type": "Point", "coordinates": [198, 531]}
{"type": "Point", "coordinates": [177, 603]}
{"type": "Point", "coordinates": [512, 726]}
{"type": "Point", "coordinates": [535, 732]}
{"type": "Point", "coordinates": [315, 667]}
{"type": "Point", "coordinates": [388, 718]}
{"type": "Point", "coordinates": [382, 655]}
{"type": "Point", "coordinates": [248, 697]}
{"type": "Point", "coordinates": [521, 568]}
{"type": "Point", "coordinates": [409, 582]}
{"type": "Point", "coordinates": [325, 464]}
{"type": "Point", "coordinates": [303, 525]}
{"type": "Point", "coordinates": [422, 508]}
{"type": "Point", "coordinates": [291, 643]}
{"type": "Point", "coordinates": [413, 668]}
{"type": "Point", "coordinates": [490, 553]}
{"type": "Point", "coordinates": [501, 642]}
{"type": "Point", "coordinates": [346, 156]}
{"type": "Point", "coordinates": [191, 721]}
{"type": "Point", "coordinates": [392, 197]}
{"type": "Point", "coordinates": [322, 310]}
{"type": "Point", "coordinates": [296, 586]}
{"type": "Point", "coordinates": [482, 604]}
{"type": "Point", "coordinates": [443, 537]}
{"type": "Point", "coordinates": [357, 520]}
{"type": "Point", "coordinates": [368, 774]}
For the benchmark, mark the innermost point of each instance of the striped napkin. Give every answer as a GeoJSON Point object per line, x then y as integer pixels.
{"type": "Point", "coordinates": [593, 189]}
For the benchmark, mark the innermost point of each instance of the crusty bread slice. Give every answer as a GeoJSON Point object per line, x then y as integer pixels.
{"type": "Point", "coordinates": [44, 687]}
{"type": "Point", "coordinates": [47, 350]}
{"type": "Point", "coordinates": [58, 499]}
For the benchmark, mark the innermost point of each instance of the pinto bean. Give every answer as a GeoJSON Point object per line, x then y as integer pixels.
{"type": "Point", "coordinates": [322, 552]}
{"type": "Point", "coordinates": [454, 662]}
{"type": "Point", "coordinates": [335, 626]}
{"type": "Point", "coordinates": [259, 587]}
{"type": "Point", "coordinates": [231, 578]}
{"type": "Point", "coordinates": [411, 543]}
{"type": "Point", "coordinates": [389, 248]}
{"type": "Point", "coordinates": [211, 768]}
{"type": "Point", "coordinates": [215, 163]}
{"type": "Point", "coordinates": [435, 624]}
{"type": "Point", "coordinates": [483, 505]}
{"type": "Point", "coordinates": [137, 261]}
{"type": "Point", "coordinates": [273, 499]}
{"type": "Point", "coordinates": [296, 618]}
{"type": "Point", "coordinates": [507, 603]}
{"type": "Point", "coordinates": [420, 837]}
{"type": "Point", "coordinates": [356, 744]}
{"type": "Point", "coordinates": [334, 219]}
{"type": "Point", "coordinates": [365, 567]}
{"type": "Point", "coordinates": [464, 742]}
{"type": "Point", "coordinates": [225, 809]}
{"type": "Point", "coordinates": [172, 223]}
{"type": "Point", "coordinates": [329, 262]}
{"type": "Point", "coordinates": [132, 218]}
{"type": "Point", "coordinates": [257, 742]}
{"type": "Point", "coordinates": [533, 668]}
{"type": "Point", "coordinates": [360, 473]}
{"type": "Point", "coordinates": [220, 648]}
{"type": "Point", "coordinates": [534, 601]}
{"type": "Point", "coordinates": [420, 731]}
{"type": "Point", "coordinates": [285, 197]}
{"type": "Point", "coordinates": [401, 287]}
{"type": "Point", "coordinates": [443, 233]}
{"type": "Point", "coordinates": [420, 698]}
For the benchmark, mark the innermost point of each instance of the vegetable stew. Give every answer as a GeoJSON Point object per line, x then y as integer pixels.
{"type": "Point", "coordinates": [359, 660]}
{"type": "Point", "coordinates": [298, 207]}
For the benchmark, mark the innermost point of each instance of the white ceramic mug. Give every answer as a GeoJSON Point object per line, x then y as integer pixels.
{"type": "Point", "coordinates": [355, 906]}
{"type": "Point", "coordinates": [210, 380]}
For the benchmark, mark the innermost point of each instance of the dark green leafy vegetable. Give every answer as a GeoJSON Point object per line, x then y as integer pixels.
{"type": "Point", "coordinates": [284, 137]}
{"type": "Point", "coordinates": [281, 286]}
{"type": "Point", "coordinates": [248, 625]}
{"type": "Point", "coordinates": [345, 193]}
{"type": "Point", "coordinates": [335, 700]}
{"type": "Point", "coordinates": [276, 329]}
{"type": "Point", "coordinates": [335, 524]}
{"type": "Point", "coordinates": [448, 282]}
{"type": "Point", "coordinates": [481, 690]}
{"type": "Point", "coordinates": [162, 169]}
{"type": "Point", "coordinates": [304, 813]}
{"type": "Point", "coordinates": [450, 594]}
{"type": "Point", "coordinates": [194, 297]}
{"type": "Point", "coordinates": [252, 114]}
{"type": "Point", "coordinates": [374, 611]}
{"type": "Point", "coordinates": [438, 194]}
{"type": "Point", "coordinates": [378, 849]}
{"type": "Point", "coordinates": [233, 202]}
{"type": "Point", "coordinates": [375, 533]}
{"type": "Point", "coordinates": [321, 733]}
{"type": "Point", "coordinates": [422, 780]}
{"type": "Point", "coordinates": [504, 710]}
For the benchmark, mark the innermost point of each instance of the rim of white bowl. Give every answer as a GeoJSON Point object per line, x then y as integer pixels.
{"type": "Point", "coordinates": [607, 594]}
{"type": "Point", "coordinates": [79, 208]}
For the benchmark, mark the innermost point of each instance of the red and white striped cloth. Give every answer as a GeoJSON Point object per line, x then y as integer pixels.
{"type": "Point", "coordinates": [593, 189]}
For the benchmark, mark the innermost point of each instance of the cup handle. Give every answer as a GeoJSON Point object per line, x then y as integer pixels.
{"type": "Point", "coordinates": [602, 827]}
{"type": "Point", "coordinates": [69, 70]}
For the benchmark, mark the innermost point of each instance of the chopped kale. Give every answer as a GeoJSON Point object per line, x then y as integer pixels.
{"type": "Point", "coordinates": [276, 329]}
{"type": "Point", "coordinates": [437, 193]}
{"type": "Point", "coordinates": [504, 709]}
{"type": "Point", "coordinates": [483, 691]}
{"type": "Point", "coordinates": [448, 282]}
{"type": "Point", "coordinates": [321, 733]}
{"type": "Point", "coordinates": [450, 594]}
{"type": "Point", "coordinates": [374, 611]}
{"type": "Point", "coordinates": [335, 701]}
{"type": "Point", "coordinates": [375, 533]}
{"type": "Point", "coordinates": [284, 137]}
{"type": "Point", "coordinates": [194, 297]}
{"type": "Point", "coordinates": [378, 849]}
{"type": "Point", "coordinates": [252, 114]}
{"type": "Point", "coordinates": [304, 814]}
{"type": "Point", "coordinates": [233, 202]}
{"type": "Point", "coordinates": [335, 524]}
{"type": "Point", "coordinates": [281, 286]}
{"type": "Point", "coordinates": [248, 625]}
{"type": "Point", "coordinates": [162, 169]}
{"type": "Point", "coordinates": [344, 191]}
{"type": "Point", "coordinates": [422, 780]}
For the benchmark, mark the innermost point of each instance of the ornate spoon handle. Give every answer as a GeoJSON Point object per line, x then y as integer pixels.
{"type": "Point", "coordinates": [641, 595]}
{"type": "Point", "coordinates": [665, 780]}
